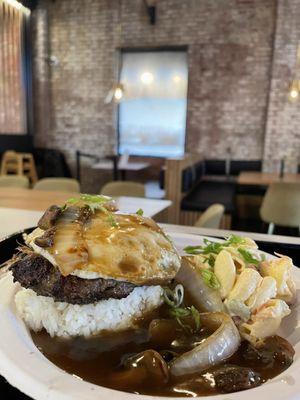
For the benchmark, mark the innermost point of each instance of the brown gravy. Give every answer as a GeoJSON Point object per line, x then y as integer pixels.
{"type": "Point", "coordinates": [98, 360]}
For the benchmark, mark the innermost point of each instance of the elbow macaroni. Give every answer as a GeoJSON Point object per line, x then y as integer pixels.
{"type": "Point", "coordinates": [264, 292]}
{"type": "Point", "coordinates": [280, 270]}
{"type": "Point", "coordinates": [224, 270]}
{"type": "Point", "coordinates": [258, 299]}
{"type": "Point", "coordinates": [245, 285]}
{"type": "Point", "coordinates": [265, 322]}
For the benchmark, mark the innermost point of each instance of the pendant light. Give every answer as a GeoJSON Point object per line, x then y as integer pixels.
{"type": "Point", "coordinates": [294, 89]}
{"type": "Point", "coordinates": [116, 93]}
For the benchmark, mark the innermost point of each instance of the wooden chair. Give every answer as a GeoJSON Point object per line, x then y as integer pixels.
{"type": "Point", "coordinates": [212, 216]}
{"type": "Point", "coordinates": [14, 163]}
{"type": "Point", "coordinates": [281, 205]}
{"type": "Point", "coordinates": [174, 184]}
{"type": "Point", "coordinates": [58, 185]}
{"type": "Point", "coordinates": [11, 163]}
{"type": "Point", "coordinates": [123, 188]}
{"type": "Point", "coordinates": [14, 181]}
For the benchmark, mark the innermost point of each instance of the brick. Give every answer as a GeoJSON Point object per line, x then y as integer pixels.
{"type": "Point", "coordinates": [237, 93]}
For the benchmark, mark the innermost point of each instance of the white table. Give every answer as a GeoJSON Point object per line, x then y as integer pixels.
{"type": "Point", "coordinates": [15, 219]}
{"type": "Point", "coordinates": [225, 233]}
{"type": "Point", "coordinates": [130, 166]}
{"type": "Point", "coordinates": [122, 166]}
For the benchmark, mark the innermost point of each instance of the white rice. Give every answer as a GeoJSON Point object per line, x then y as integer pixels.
{"type": "Point", "coordinates": [67, 320]}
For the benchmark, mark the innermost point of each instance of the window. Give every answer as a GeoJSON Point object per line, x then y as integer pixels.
{"type": "Point", "coordinates": [152, 114]}
{"type": "Point", "coordinates": [13, 68]}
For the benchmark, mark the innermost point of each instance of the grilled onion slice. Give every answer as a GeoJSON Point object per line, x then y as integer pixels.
{"type": "Point", "coordinates": [69, 249]}
{"type": "Point", "coordinates": [222, 344]}
{"type": "Point", "coordinates": [203, 297]}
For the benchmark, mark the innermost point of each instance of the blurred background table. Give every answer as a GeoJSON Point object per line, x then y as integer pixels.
{"type": "Point", "coordinates": [39, 200]}
{"type": "Point", "coordinates": [121, 167]}
{"type": "Point", "coordinates": [265, 178]}
{"type": "Point", "coordinates": [22, 208]}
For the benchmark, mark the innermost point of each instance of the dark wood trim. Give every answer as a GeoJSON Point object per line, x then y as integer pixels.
{"type": "Point", "coordinates": [16, 142]}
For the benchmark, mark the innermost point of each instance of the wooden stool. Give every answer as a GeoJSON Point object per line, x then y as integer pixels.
{"type": "Point", "coordinates": [14, 163]}
{"type": "Point", "coordinates": [11, 163]}
{"type": "Point", "coordinates": [29, 169]}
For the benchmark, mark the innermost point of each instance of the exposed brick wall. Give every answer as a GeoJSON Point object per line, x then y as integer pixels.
{"type": "Point", "coordinates": [229, 56]}
{"type": "Point", "coordinates": [230, 48]}
{"type": "Point", "coordinates": [283, 127]}
{"type": "Point", "coordinates": [41, 82]}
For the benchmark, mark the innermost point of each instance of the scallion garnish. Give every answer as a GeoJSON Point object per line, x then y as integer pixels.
{"type": "Point", "coordinates": [248, 257]}
{"type": "Point", "coordinates": [210, 278]}
{"type": "Point", "coordinates": [174, 299]}
{"type": "Point", "coordinates": [214, 247]}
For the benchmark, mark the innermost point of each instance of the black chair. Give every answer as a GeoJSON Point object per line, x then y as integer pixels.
{"type": "Point", "coordinates": [207, 193]}
{"type": "Point", "coordinates": [51, 163]}
{"type": "Point", "coordinates": [214, 167]}
{"type": "Point", "coordinates": [237, 166]}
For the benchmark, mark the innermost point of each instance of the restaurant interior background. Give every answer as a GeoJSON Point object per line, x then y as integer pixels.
{"type": "Point", "coordinates": [196, 92]}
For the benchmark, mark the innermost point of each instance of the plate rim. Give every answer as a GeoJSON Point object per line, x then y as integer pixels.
{"type": "Point", "coordinates": [26, 383]}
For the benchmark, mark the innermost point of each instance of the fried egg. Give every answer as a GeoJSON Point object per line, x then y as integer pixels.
{"type": "Point", "coordinates": [123, 247]}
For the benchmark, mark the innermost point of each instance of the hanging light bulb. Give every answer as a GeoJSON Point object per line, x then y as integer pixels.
{"type": "Point", "coordinates": [294, 90]}
{"type": "Point", "coordinates": [115, 94]}
{"type": "Point", "coordinates": [119, 90]}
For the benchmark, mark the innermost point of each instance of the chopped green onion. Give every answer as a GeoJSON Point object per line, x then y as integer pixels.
{"type": "Point", "coordinates": [94, 198]}
{"type": "Point", "coordinates": [93, 201]}
{"type": "Point", "coordinates": [214, 247]}
{"type": "Point", "coordinates": [140, 212]}
{"type": "Point", "coordinates": [210, 278]}
{"type": "Point", "coordinates": [111, 219]}
{"type": "Point", "coordinates": [72, 200]}
{"type": "Point", "coordinates": [263, 257]}
{"type": "Point", "coordinates": [193, 249]}
{"type": "Point", "coordinates": [179, 312]}
{"type": "Point", "coordinates": [210, 260]}
{"type": "Point", "coordinates": [174, 299]}
{"type": "Point", "coordinates": [179, 294]}
{"type": "Point", "coordinates": [196, 316]}
{"type": "Point", "coordinates": [248, 257]}
{"type": "Point", "coordinates": [235, 239]}
{"type": "Point", "coordinates": [168, 296]}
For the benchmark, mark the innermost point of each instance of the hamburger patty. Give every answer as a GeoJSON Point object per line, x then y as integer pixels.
{"type": "Point", "coordinates": [35, 272]}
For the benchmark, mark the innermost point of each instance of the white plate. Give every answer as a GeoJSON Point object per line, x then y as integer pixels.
{"type": "Point", "coordinates": [26, 368]}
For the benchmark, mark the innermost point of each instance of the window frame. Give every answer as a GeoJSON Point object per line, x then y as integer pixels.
{"type": "Point", "coordinates": [146, 50]}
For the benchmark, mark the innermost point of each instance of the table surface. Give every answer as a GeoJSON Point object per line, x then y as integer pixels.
{"type": "Point", "coordinates": [130, 166]}
{"type": "Point", "coordinates": [13, 220]}
{"type": "Point", "coordinates": [225, 233]}
{"type": "Point", "coordinates": [39, 200]}
{"type": "Point", "coordinates": [265, 178]}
